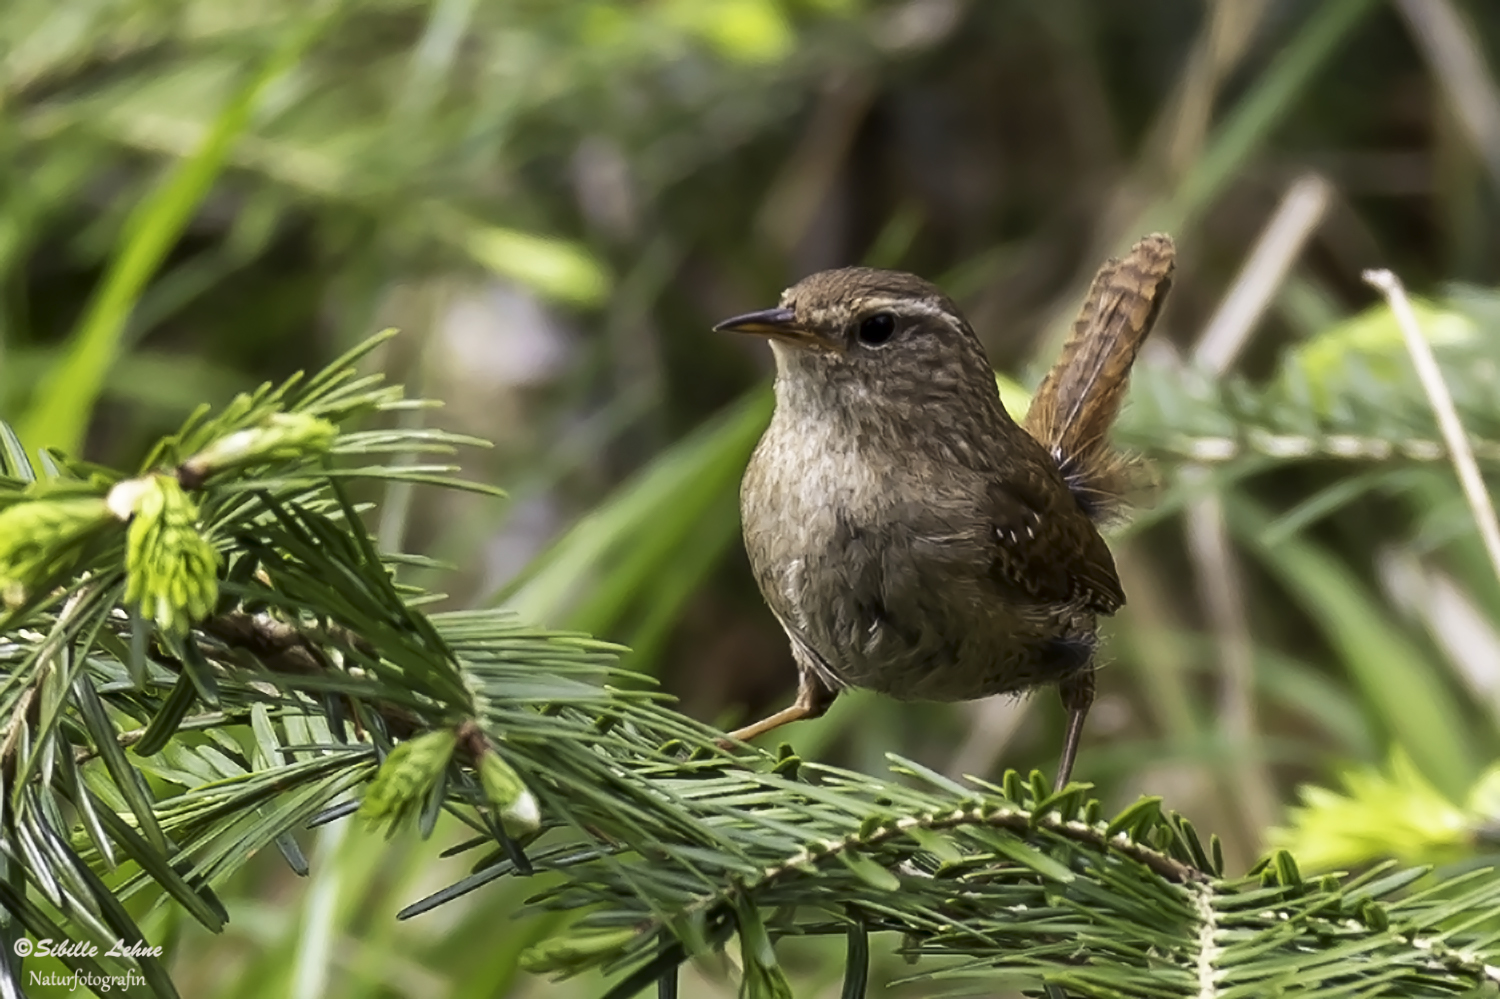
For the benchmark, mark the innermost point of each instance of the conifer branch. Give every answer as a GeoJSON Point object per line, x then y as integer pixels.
{"type": "Point", "coordinates": [229, 590]}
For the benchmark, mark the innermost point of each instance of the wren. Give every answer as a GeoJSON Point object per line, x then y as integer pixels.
{"type": "Point", "coordinates": [908, 534]}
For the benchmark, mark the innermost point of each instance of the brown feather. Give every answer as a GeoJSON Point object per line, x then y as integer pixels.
{"type": "Point", "coordinates": [1077, 403]}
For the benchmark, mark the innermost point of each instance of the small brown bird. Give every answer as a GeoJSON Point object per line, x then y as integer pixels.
{"type": "Point", "coordinates": [910, 536]}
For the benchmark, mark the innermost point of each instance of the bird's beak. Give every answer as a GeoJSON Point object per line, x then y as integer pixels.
{"type": "Point", "coordinates": [777, 324]}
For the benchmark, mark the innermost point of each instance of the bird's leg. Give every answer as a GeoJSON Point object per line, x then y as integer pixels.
{"type": "Point", "coordinates": [1077, 696]}
{"type": "Point", "coordinates": [813, 699]}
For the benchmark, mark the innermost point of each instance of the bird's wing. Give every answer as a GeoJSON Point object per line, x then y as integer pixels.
{"type": "Point", "coordinates": [809, 659]}
{"type": "Point", "coordinates": [1049, 555]}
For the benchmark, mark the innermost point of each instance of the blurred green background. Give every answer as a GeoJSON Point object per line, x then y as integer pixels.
{"type": "Point", "coordinates": [555, 200]}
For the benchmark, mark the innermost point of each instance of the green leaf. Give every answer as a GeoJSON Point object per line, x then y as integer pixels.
{"type": "Point", "coordinates": [556, 268]}
{"type": "Point", "coordinates": [869, 871]}
{"type": "Point", "coordinates": [1028, 856]}
{"type": "Point", "coordinates": [406, 776]}
{"type": "Point", "coordinates": [67, 394]}
{"type": "Point", "coordinates": [562, 953]}
{"type": "Point", "coordinates": [1397, 677]}
{"type": "Point", "coordinates": [764, 978]}
{"type": "Point", "coordinates": [1145, 813]}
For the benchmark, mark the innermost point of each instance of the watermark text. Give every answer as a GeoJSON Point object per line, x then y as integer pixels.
{"type": "Point", "coordinates": [50, 947]}
{"type": "Point", "coordinates": [98, 984]}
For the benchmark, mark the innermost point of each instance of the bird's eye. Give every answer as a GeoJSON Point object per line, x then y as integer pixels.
{"type": "Point", "coordinates": [877, 329]}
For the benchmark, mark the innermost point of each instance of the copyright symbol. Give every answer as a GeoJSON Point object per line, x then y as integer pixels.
{"type": "Point", "coordinates": [22, 947]}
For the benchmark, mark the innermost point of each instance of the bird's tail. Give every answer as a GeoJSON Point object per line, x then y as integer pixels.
{"type": "Point", "coordinates": [1076, 404]}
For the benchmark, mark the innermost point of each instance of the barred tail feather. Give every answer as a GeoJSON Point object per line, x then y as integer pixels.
{"type": "Point", "coordinates": [1077, 403]}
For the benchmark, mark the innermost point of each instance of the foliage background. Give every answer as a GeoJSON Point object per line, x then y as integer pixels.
{"type": "Point", "coordinates": [556, 200]}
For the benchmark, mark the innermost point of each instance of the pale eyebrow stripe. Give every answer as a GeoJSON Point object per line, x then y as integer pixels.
{"type": "Point", "coordinates": [920, 306]}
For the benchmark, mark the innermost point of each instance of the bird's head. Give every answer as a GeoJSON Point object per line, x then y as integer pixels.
{"type": "Point", "coordinates": [858, 337]}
